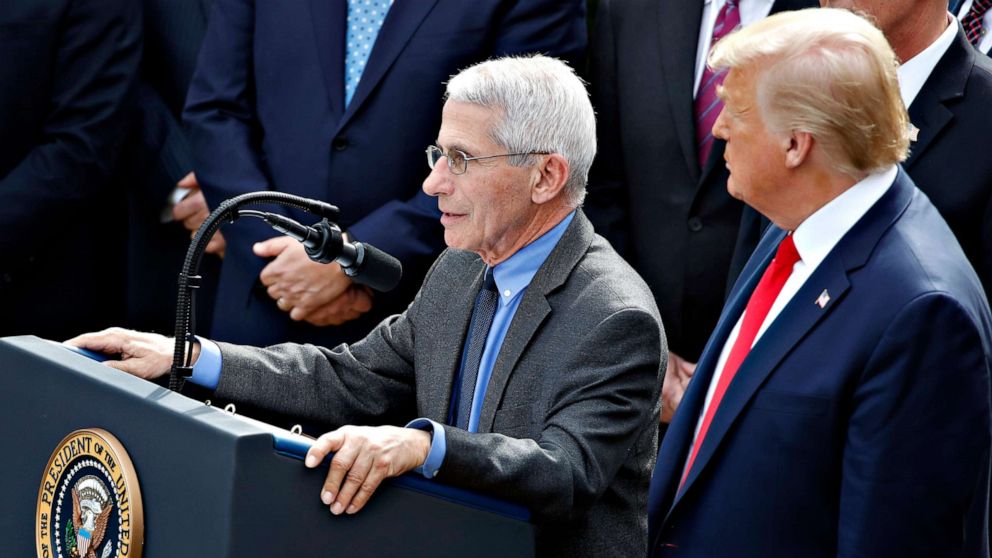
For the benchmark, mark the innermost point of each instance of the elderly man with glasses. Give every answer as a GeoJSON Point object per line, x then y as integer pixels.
{"type": "Point", "coordinates": [529, 364]}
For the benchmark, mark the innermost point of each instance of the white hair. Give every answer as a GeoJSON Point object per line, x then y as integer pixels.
{"type": "Point", "coordinates": [542, 106]}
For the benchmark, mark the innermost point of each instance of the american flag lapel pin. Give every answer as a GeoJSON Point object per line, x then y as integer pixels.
{"type": "Point", "coordinates": [823, 299]}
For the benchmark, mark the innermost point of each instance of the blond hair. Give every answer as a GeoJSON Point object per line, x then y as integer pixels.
{"type": "Point", "coordinates": [830, 73]}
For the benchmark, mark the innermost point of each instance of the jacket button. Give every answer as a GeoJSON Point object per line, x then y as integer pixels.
{"type": "Point", "coordinates": [695, 224]}
{"type": "Point", "coordinates": [339, 144]}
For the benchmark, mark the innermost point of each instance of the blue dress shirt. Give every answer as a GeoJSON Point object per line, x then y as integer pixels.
{"type": "Point", "coordinates": [512, 277]}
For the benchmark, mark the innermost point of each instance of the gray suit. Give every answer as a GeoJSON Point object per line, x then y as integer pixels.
{"type": "Point", "coordinates": [569, 423]}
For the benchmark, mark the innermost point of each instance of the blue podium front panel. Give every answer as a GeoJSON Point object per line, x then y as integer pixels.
{"type": "Point", "coordinates": [217, 485]}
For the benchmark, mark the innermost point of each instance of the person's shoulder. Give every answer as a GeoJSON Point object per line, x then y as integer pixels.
{"type": "Point", "coordinates": [980, 80]}
{"type": "Point", "coordinates": [453, 264]}
{"type": "Point", "coordinates": [603, 277]}
{"type": "Point", "coordinates": [919, 255]}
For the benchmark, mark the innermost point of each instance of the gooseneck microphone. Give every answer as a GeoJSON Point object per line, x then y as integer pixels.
{"type": "Point", "coordinates": [324, 242]}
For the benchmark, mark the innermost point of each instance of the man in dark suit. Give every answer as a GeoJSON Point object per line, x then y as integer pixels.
{"type": "Point", "coordinates": [665, 210]}
{"type": "Point", "coordinates": [271, 109]}
{"type": "Point", "coordinates": [546, 392]}
{"type": "Point", "coordinates": [841, 406]}
{"type": "Point", "coordinates": [947, 87]}
{"type": "Point", "coordinates": [158, 166]}
{"type": "Point", "coordinates": [67, 78]}
{"type": "Point", "coordinates": [976, 20]}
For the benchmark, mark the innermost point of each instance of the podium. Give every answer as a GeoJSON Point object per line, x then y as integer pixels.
{"type": "Point", "coordinates": [214, 484]}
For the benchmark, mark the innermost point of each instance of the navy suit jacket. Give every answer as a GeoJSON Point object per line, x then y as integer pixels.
{"type": "Point", "coordinates": [67, 77]}
{"type": "Point", "coordinates": [858, 429]}
{"type": "Point", "coordinates": [267, 112]}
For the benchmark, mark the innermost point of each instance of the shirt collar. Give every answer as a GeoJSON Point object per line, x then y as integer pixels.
{"type": "Point", "coordinates": [515, 273]}
{"type": "Point", "coordinates": [820, 232]}
{"type": "Point", "coordinates": [914, 72]}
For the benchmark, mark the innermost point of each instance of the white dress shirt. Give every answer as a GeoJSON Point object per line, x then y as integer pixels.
{"type": "Point", "coordinates": [814, 238]}
{"type": "Point", "coordinates": [986, 43]}
{"type": "Point", "coordinates": [750, 11]}
{"type": "Point", "coordinates": [914, 72]}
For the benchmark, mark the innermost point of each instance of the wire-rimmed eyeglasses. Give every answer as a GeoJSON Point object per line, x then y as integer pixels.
{"type": "Point", "coordinates": [458, 160]}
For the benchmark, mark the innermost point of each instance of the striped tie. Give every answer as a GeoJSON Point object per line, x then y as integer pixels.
{"type": "Point", "coordinates": [707, 105]}
{"type": "Point", "coordinates": [972, 22]}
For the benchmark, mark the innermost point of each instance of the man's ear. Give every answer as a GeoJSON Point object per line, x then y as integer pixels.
{"type": "Point", "coordinates": [798, 148]}
{"type": "Point", "coordinates": [549, 177]}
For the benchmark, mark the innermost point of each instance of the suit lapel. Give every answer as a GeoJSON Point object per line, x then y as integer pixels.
{"type": "Point", "coordinates": [398, 28]}
{"type": "Point", "coordinates": [789, 328]}
{"type": "Point", "coordinates": [929, 111]}
{"type": "Point", "coordinates": [678, 38]}
{"type": "Point", "coordinates": [449, 341]}
{"type": "Point", "coordinates": [797, 319]}
{"type": "Point", "coordinates": [330, 17]}
{"type": "Point", "coordinates": [533, 310]}
{"type": "Point", "coordinates": [675, 445]}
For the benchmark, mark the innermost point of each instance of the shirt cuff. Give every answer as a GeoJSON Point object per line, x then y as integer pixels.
{"type": "Point", "coordinates": [435, 457]}
{"type": "Point", "coordinates": [206, 370]}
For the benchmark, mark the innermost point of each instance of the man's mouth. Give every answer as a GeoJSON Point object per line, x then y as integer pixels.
{"type": "Point", "coordinates": [448, 218]}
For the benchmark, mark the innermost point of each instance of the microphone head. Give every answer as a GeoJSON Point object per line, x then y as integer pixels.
{"type": "Point", "coordinates": [375, 268]}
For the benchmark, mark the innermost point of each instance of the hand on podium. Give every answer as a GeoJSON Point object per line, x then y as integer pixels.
{"type": "Point", "coordinates": [145, 355]}
{"type": "Point", "coordinates": [365, 456]}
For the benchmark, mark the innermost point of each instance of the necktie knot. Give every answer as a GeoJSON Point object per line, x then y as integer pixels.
{"type": "Point", "coordinates": [972, 21]}
{"type": "Point", "coordinates": [489, 283]}
{"type": "Point", "coordinates": [786, 256]}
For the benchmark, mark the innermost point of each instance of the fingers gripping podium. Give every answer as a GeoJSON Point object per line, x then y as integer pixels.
{"type": "Point", "coordinates": [213, 484]}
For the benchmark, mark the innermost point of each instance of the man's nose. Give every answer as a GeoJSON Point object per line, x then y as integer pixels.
{"type": "Point", "coordinates": [438, 182]}
{"type": "Point", "coordinates": [720, 125]}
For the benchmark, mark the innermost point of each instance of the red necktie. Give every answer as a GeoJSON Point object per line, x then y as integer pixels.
{"type": "Point", "coordinates": [761, 301]}
{"type": "Point", "coordinates": [707, 105]}
{"type": "Point", "coordinates": [972, 21]}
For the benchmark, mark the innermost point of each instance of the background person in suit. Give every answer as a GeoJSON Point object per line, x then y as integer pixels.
{"type": "Point", "coordinates": [313, 98]}
{"type": "Point", "coordinates": [67, 77]}
{"type": "Point", "coordinates": [947, 87]}
{"type": "Point", "coordinates": [658, 188]}
{"type": "Point", "coordinates": [976, 19]}
{"type": "Point", "coordinates": [156, 158]}
{"type": "Point", "coordinates": [841, 407]}
{"type": "Point", "coordinates": [517, 404]}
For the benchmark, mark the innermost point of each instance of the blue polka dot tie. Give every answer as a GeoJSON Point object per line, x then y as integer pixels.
{"type": "Point", "coordinates": [365, 18]}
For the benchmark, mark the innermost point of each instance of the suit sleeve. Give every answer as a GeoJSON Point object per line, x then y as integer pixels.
{"type": "Point", "coordinates": [916, 457]}
{"type": "Point", "coordinates": [94, 72]}
{"type": "Point", "coordinates": [406, 229]}
{"type": "Point", "coordinates": [225, 135]}
{"type": "Point", "coordinates": [606, 198]}
{"type": "Point", "coordinates": [370, 382]}
{"type": "Point", "coordinates": [609, 385]}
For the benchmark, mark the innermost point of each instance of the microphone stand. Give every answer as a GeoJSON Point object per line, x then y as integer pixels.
{"type": "Point", "coordinates": [189, 280]}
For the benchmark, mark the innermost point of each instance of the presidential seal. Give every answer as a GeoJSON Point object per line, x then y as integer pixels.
{"type": "Point", "coordinates": [89, 503]}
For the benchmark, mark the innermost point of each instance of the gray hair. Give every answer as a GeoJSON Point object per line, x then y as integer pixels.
{"type": "Point", "coordinates": [543, 106]}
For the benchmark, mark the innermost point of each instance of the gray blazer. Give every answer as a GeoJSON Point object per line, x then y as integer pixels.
{"type": "Point", "coordinates": [569, 423]}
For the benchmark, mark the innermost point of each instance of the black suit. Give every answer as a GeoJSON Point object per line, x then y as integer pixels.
{"type": "Point", "coordinates": [674, 222]}
{"type": "Point", "coordinates": [67, 74]}
{"type": "Point", "coordinates": [949, 160]}
{"type": "Point", "coordinates": [158, 156]}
